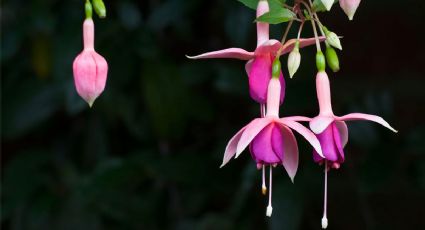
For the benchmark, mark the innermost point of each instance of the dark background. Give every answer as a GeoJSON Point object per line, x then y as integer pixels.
{"type": "Point", "coordinates": [147, 155]}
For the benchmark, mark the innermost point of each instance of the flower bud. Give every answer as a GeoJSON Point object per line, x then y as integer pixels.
{"type": "Point", "coordinates": [276, 68]}
{"type": "Point", "coordinates": [99, 8]}
{"type": "Point", "coordinates": [88, 9]}
{"type": "Point", "coordinates": [320, 61]}
{"type": "Point", "coordinates": [332, 38]}
{"type": "Point", "coordinates": [332, 58]}
{"type": "Point", "coordinates": [328, 4]}
{"type": "Point", "coordinates": [89, 68]}
{"type": "Point", "coordinates": [349, 7]}
{"type": "Point", "coordinates": [294, 60]}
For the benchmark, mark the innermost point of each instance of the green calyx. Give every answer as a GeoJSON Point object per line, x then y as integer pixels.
{"type": "Point", "coordinates": [99, 8]}
{"type": "Point", "coordinates": [88, 9]}
{"type": "Point", "coordinates": [320, 61]}
{"type": "Point", "coordinates": [276, 68]}
{"type": "Point", "coordinates": [332, 59]}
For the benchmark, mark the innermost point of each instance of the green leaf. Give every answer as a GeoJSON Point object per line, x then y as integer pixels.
{"type": "Point", "coordinates": [250, 3]}
{"type": "Point", "coordinates": [276, 16]}
{"type": "Point", "coordinates": [319, 7]}
{"type": "Point", "coordinates": [274, 4]}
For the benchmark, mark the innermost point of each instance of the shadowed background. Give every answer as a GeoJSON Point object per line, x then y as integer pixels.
{"type": "Point", "coordinates": [147, 155]}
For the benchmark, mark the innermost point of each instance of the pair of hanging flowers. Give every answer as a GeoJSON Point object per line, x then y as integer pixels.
{"type": "Point", "coordinates": [269, 137]}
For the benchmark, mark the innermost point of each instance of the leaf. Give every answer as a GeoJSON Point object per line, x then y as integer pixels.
{"type": "Point", "coordinates": [319, 7]}
{"type": "Point", "coordinates": [276, 16]}
{"type": "Point", "coordinates": [274, 4]}
{"type": "Point", "coordinates": [250, 3]}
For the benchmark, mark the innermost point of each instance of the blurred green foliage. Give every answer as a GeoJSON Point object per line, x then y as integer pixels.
{"type": "Point", "coordinates": [147, 155]}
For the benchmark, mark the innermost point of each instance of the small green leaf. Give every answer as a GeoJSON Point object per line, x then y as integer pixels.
{"type": "Point", "coordinates": [276, 16]}
{"type": "Point", "coordinates": [250, 3]}
{"type": "Point", "coordinates": [318, 6]}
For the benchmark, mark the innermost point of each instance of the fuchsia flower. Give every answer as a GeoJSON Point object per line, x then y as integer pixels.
{"type": "Point", "coordinates": [332, 131]}
{"type": "Point", "coordinates": [90, 69]}
{"type": "Point", "coordinates": [349, 7]}
{"type": "Point", "coordinates": [260, 61]}
{"type": "Point", "coordinates": [271, 140]}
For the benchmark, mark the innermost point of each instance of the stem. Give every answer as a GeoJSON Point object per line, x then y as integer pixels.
{"type": "Point", "coordinates": [312, 23]}
{"type": "Point", "coordinates": [286, 32]}
{"type": "Point", "coordinates": [325, 198]}
{"type": "Point", "coordinates": [299, 30]}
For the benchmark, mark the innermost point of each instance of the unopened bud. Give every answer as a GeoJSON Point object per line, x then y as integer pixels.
{"type": "Point", "coordinates": [332, 38]}
{"type": "Point", "coordinates": [99, 8]}
{"type": "Point", "coordinates": [320, 61]}
{"type": "Point", "coordinates": [276, 68]}
{"type": "Point", "coordinates": [328, 4]}
{"type": "Point", "coordinates": [349, 7]}
{"type": "Point", "coordinates": [332, 59]}
{"type": "Point", "coordinates": [294, 60]}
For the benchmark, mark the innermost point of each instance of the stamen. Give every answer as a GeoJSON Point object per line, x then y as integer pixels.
{"type": "Point", "coordinates": [325, 198]}
{"type": "Point", "coordinates": [262, 110]}
{"type": "Point", "coordinates": [269, 207]}
{"type": "Point", "coordinates": [263, 185]}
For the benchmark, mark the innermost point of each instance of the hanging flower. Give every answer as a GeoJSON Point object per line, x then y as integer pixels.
{"type": "Point", "coordinates": [260, 61]}
{"type": "Point", "coordinates": [332, 131]}
{"type": "Point", "coordinates": [349, 7]}
{"type": "Point", "coordinates": [270, 139]}
{"type": "Point", "coordinates": [90, 69]}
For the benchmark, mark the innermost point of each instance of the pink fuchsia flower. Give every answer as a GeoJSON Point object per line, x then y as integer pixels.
{"type": "Point", "coordinates": [270, 139]}
{"type": "Point", "coordinates": [332, 132]}
{"type": "Point", "coordinates": [90, 69]}
{"type": "Point", "coordinates": [259, 62]}
{"type": "Point", "coordinates": [349, 7]}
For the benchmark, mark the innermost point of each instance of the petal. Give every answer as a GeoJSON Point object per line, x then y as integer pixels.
{"type": "Point", "coordinates": [298, 118]}
{"type": "Point", "coordinates": [261, 146]}
{"type": "Point", "coordinates": [289, 45]}
{"type": "Point", "coordinates": [268, 47]}
{"type": "Point", "coordinates": [338, 142]}
{"type": "Point", "coordinates": [363, 116]}
{"type": "Point", "coordinates": [259, 77]}
{"type": "Point", "coordinates": [248, 66]}
{"type": "Point", "coordinates": [235, 53]}
{"type": "Point", "coordinates": [231, 147]}
{"type": "Point", "coordinates": [343, 132]}
{"type": "Point", "coordinates": [289, 149]}
{"type": "Point", "coordinates": [251, 130]}
{"type": "Point", "coordinates": [320, 123]}
{"type": "Point", "coordinates": [101, 72]}
{"type": "Point", "coordinates": [306, 133]}
{"type": "Point", "coordinates": [327, 142]}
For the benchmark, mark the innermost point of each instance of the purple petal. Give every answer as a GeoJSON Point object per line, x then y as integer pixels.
{"type": "Point", "coordinates": [235, 53]}
{"type": "Point", "coordinates": [251, 130]}
{"type": "Point", "coordinates": [338, 142]}
{"type": "Point", "coordinates": [306, 133]}
{"type": "Point", "coordinates": [327, 142]}
{"type": "Point", "coordinates": [368, 117]}
{"type": "Point", "coordinates": [288, 148]}
{"type": "Point", "coordinates": [231, 147]}
{"type": "Point", "coordinates": [261, 147]}
{"type": "Point", "coordinates": [320, 123]}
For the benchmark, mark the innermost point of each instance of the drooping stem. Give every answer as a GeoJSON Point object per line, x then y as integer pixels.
{"type": "Point", "coordinates": [299, 30]}
{"type": "Point", "coordinates": [313, 24]}
{"type": "Point", "coordinates": [269, 207]}
{"type": "Point", "coordinates": [286, 31]}
{"type": "Point", "coordinates": [325, 198]}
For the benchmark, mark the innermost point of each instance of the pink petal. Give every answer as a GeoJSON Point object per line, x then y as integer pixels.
{"type": "Point", "coordinates": [231, 147]}
{"type": "Point", "coordinates": [251, 130]}
{"type": "Point", "coordinates": [343, 132]}
{"type": "Point", "coordinates": [268, 47]}
{"type": "Point", "coordinates": [306, 133]}
{"type": "Point", "coordinates": [298, 118]}
{"type": "Point", "coordinates": [320, 123]}
{"type": "Point", "coordinates": [102, 72]}
{"type": "Point", "coordinates": [289, 148]}
{"type": "Point", "coordinates": [363, 116]}
{"type": "Point", "coordinates": [235, 53]}
{"type": "Point", "coordinates": [289, 45]}
{"type": "Point", "coordinates": [248, 66]}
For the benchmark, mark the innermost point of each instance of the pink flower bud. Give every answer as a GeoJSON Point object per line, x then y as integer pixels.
{"type": "Point", "coordinates": [349, 7]}
{"type": "Point", "coordinates": [90, 69]}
